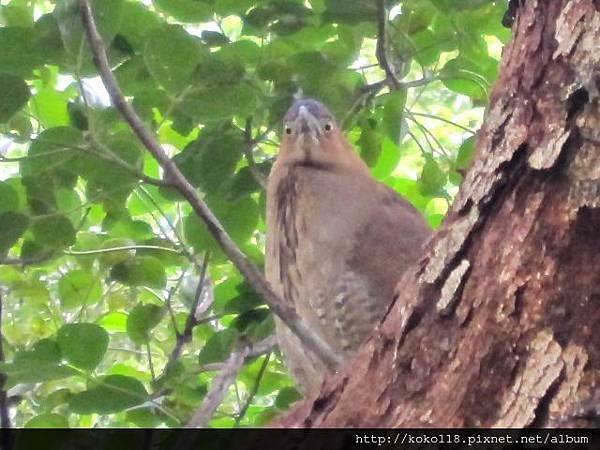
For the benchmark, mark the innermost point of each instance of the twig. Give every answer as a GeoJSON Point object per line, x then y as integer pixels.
{"type": "Point", "coordinates": [110, 157]}
{"type": "Point", "coordinates": [225, 378]}
{"type": "Point", "coordinates": [4, 416]}
{"type": "Point", "coordinates": [414, 138]}
{"type": "Point", "coordinates": [442, 119]}
{"type": "Point", "coordinates": [170, 297]}
{"type": "Point", "coordinates": [43, 257]}
{"type": "Point", "coordinates": [256, 279]}
{"type": "Point", "coordinates": [381, 49]}
{"type": "Point", "coordinates": [427, 132]}
{"type": "Point", "coordinates": [150, 363]}
{"type": "Point", "coordinates": [254, 390]}
{"type": "Point", "coordinates": [191, 321]}
{"type": "Point", "coordinates": [219, 387]}
{"type": "Point", "coordinates": [119, 249]}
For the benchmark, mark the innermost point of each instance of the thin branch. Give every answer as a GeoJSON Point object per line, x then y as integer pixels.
{"type": "Point", "coordinates": [426, 134]}
{"type": "Point", "coordinates": [256, 279]}
{"type": "Point", "coordinates": [381, 52]}
{"type": "Point", "coordinates": [4, 415]}
{"type": "Point", "coordinates": [254, 390]}
{"type": "Point", "coordinates": [414, 138]}
{"type": "Point", "coordinates": [442, 119]}
{"type": "Point", "coordinates": [170, 297]}
{"type": "Point", "coordinates": [169, 222]}
{"type": "Point", "coordinates": [191, 321]}
{"type": "Point", "coordinates": [111, 157]}
{"type": "Point", "coordinates": [42, 257]}
{"type": "Point", "coordinates": [150, 363]}
{"type": "Point", "coordinates": [225, 378]}
{"type": "Point", "coordinates": [119, 249]}
{"type": "Point", "coordinates": [219, 387]}
{"type": "Point", "coordinates": [262, 348]}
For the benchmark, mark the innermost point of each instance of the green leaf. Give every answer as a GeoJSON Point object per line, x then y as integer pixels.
{"type": "Point", "coordinates": [51, 151]}
{"type": "Point", "coordinates": [141, 320]}
{"type": "Point", "coordinates": [140, 271]}
{"type": "Point", "coordinates": [111, 258]}
{"type": "Point", "coordinates": [471, 78]}
{"type": "Point", "coordinates": [388, 160]}
{"type": "Point", "coordinates": [433, 178]}
{"type": "Point", "coordinates": [238, 100]}
{"type": "Point", "coordinates": [16, 14]}
{"type": "Point", "coordinates": [54, 231]}
{"type": "Point", "coordinates": [350, 11]}
{"type": "Point", "coordinates": [214, 38]}
{"type": "Point", "coordinates": [19, 52]}
{"type": "Point", "coordinates": [13, 225]}
{"type": "Point", "coordinates": [217, 148]}
{"type": "Point", "coordinates": [171, 55]}
{"type": "Point", "coordinates": [50, 107]}
{"type": "Point", "coordinates": [369, 141]}
{"type": "Point", "coordinates": [41, 363]}
{"type": "Point", "coordinates": [218, 347]}
{"type": "Point", "coordinates": [186, 10]}
{"type": "Point", "coordinates": [286, 397]}
{"type": "Point", "coordinates": [465, 154]}
{"type": "Point", "coordinates": [256, 323]}
{"type": "Point", "coordinates": [79, 287]}
{"type": "Point", "coordinates": [137, 22]}
{"type": "Point", "coordinates": [46, 350]}
{"type": "Point", "coordinates": [393, 111]}
{"type": "Point", "coordinates": [114, 322]}
{"type": "Point", "coordinates": [143, 417]}
{"type": "Point", "coordinates": [31, 371]}
{"type": "Point", "coordinates": [48, 40]}
{"type": "Point", "coordinates": [107, 14]}
{"type": "Point", "coordinates": [111, 394]}
{"type": "Point", "coordinates": [14, 94]}
{"type": "Point", "coordinates": [245, 301]}
{"type": "Point", "coordinates": [50, 420]}
{"type": "Point", "coordinates": [238, 218]}
{"type": "Point", "coordinates": [9, 199]}
{"type": "Point", "coordinates": [83, 344]}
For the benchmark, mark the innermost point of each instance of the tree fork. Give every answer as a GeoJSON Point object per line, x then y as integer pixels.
{"type": "Point", "coordinates": [497, 324]}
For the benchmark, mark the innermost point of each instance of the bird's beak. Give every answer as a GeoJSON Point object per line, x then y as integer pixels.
{"type": "Point", "coordinates": [307, 125]}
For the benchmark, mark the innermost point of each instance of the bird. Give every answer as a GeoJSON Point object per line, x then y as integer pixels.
{"type": "Point", "coordinates": [337, 240]}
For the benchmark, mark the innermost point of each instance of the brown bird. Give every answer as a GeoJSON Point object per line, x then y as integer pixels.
{"type": "Point", "coordinates": [338, 241]}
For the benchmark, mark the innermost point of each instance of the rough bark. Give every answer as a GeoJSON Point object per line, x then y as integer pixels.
{"type": "Point", "coordinates": [499, 323]}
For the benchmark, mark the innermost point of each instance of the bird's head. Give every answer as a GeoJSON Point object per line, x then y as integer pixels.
{"type": "Point", "coordinates": [312, 138]}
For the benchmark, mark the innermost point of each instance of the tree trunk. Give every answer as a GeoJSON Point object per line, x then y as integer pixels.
{"type": "Point", "coordinates": [499, 323]}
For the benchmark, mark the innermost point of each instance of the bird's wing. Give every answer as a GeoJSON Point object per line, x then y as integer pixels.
{"type": "Point", "coordinates": [389, 241]}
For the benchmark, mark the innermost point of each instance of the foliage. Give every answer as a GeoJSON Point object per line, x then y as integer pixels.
{"type": "Point", "coordinates": [101, 266]}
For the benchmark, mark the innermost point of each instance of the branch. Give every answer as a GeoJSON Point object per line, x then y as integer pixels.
{"type": "Point", "coordinates": [254, 390]}
{"type": "Point", "coordinates": [191, 321]}
{"type": "Point", "coordinates": [120, 249]}
{"type": "Point", "coordinates": [42, 257]}
{"type": "Point", "coordinates": [442, 119]}
{"type": "Point", "coordinates": [219, 387]}
{"type": "Point", "coordinates": [171, 172]}
{"type": "Point", "coordinates": [381, 53]}
{"type": "Point", "coordinates": [381, 49]}
{"type": "Point", "coordinates": [225, 378]}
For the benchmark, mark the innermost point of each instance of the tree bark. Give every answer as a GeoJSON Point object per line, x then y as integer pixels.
{"type": "Point", "coordinates": [499, 323]}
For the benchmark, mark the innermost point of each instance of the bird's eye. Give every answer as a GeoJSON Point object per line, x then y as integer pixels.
{"type": "Point", "coordinates": [327, 127]}
{"type": "Point", "coordinates": [288, 130]}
